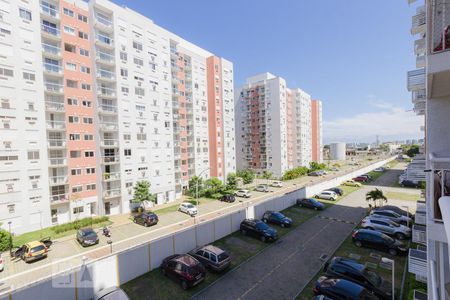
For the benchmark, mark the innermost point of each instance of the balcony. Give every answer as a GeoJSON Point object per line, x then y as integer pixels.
{"type": "Point", "coordinates": [416, 80]}
{"type": "Point", "coordinates": [105, 75]}
{"type": "Point", "coordinates": [419, 234]}
{"type": "Point", "coordinates": [103, 23]}
{"type": "Point", "coordinates": [111, 193]}
{"type": "Point", "coordinates": [51, 69]}
{"type": "Point", "coordinates": [51, 32]}
{"type": "Point", "coordinates": [108, 160]}
{"type": "Point", "coordinates": [109, 143]}
{"type": "Point", "coordinates": [106, 92]}
{"type": "Point", "coordinates": [59, 199]}
{"type": "Point", "coordinates": [56, 143]}
{"type": "Point", "coordinates": [105, 126]}
{"type": "Point", "coordinates": [56, 125]}
{"type": "Point", "coordinates": [104, 41]}
{"type": "Point", "coordinates": [54, 88]}
{"type": "Point", "coordinates": [57, 162]}
{"type": "Point", "coordinates": [419, 108]}
{"type": "Point", "coordinates": [421, 61]}
{"type": "Point", "coordinates": [417, 262]}
{"type": "Point", "coordinates": [107, 109]}
{"type": "Point", "coordinates": [105, 58]}
{"type": "Point", "coordinates": [419, 95]}
{"type": "Point", "coordinates": [50, 12]}
{"type": "Point", "coordinates": [55, 106]}
{"type": "Point", "coordinates": [57, 180]}
{"type": "Point", "coordinates": [420, 46]}
{"type": "Point", "coordinates": [51, 51]}
{"type": "Point", "coordinates": [419, 21]}
{"type": "Point", "coordinates": [111, 176]}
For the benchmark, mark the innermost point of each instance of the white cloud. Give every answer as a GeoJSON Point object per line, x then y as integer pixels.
{"type": "Point", "coordinates": [389, 122]}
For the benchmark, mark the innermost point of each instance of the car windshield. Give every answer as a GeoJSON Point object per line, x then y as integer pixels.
{"type": "Point", "coordinates": [222, 256]}
{"type": "Point", "coordinates": [90, 233]}
{"type": "Point", "coordinates": [278, 215]}
{"type": "Point", "coordinates": [189, 206]}
{"type": "Point", "coordinates": [262, 226]}
{"type": "Point", "coordinates": [314, 201]}
{"type": "Point", "coordinates": [387, 239]}
{"type": "Point", "coordinates": [373, 277]}
{"type": "Point", "coordinates": [37, 249]}
{"type": "Point", "coordinates": [394, 224]}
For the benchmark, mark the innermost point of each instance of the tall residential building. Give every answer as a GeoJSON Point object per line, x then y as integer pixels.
{"type": "Point", "coordinates": [316, 129]}
{"type": "Point", "coordinates": [95, 97]}
{"type": "Point", "coordinates": [273, 125]}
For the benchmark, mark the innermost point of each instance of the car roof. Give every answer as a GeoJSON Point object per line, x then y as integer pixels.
{"type": "Point", "coordinates": [351, 288]}
{"type": "Point", "coordinates": [243, 191]}
{"type": "Point", "coordinates": [212, 249]}
{"type": "Point", "coordinates": [384, 210]}
{"type": "Point", "coordinates": [374, 232]}
{"type": "Point", "coordinates": [34, 244]}
{"type": "Point", "coordinates": [348, 262]}
{"type": "Point", "coordinates": [87, 229]}
{"type": "Point", "coordinates": [111, 293]}
{"type": "Point", "coordinates": [186, 259]}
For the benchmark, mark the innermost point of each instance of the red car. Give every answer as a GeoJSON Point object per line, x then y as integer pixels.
{"type": "Point", "coordinates": [360, 179]}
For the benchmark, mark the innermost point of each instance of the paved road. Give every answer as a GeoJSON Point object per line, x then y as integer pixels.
{"type": "Point", "coordinates": [283, 270]}
{"type": "Point", "coordinates": [68, 252]}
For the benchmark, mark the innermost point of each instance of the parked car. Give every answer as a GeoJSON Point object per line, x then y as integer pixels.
{"type": "Point", "coordinates": [188, 208]}
{"type": "Point", "coordinates": [184, 269]}
{"type": "Point", "coordinates": [277, 184]}
{"type": "Point", "coordinates": [228, 198]}
{"type": "Point", "coordinates": [351, 183]}
{"type": "Point", "coordinates": [337, 190]}
{"type": "Point", "coordinates": [32, 251]}
{"type": "Point", "coordinates": [342, 289]}
{"type": "Point", "coordinates": [87, 237]}
{"type": "Point", "coordinates": [321, 297]}
{"type": "Point", "coordinates": [360, 179]}
{"type": "Point", "coordinates": [2, 263]}
{"type": "Point", "coordinates": [349, 269]}
{"type": "Point", "coordinates": [310, 203]}
{"type": "Point", "coordinates": [334, 169]}
{"type": "Point", "coordinates": [111, 293]}
{"type": "Point", "coordinates": [259, 229]}
{"type": "Point", "coordinates": [377, 240]}
{"type": "Point", "coordinates": [366, 176]}
{"type": "Point", "coordinates": [315, 173]}
{"type": "Point", "coordinates": [392, 215]}
{"type": "Point", "coordinates": [276, 217]}
{"type": "Point", "coordinates": [212, 257]}
{"type": "Point", "coordinates": [395, 209]}
{"type": "Point", "coordinates": [387, 226]}
{"type": "Point", "coordinates": [146, 219]}
{"type": "Point", "coordinates": [409, 183]}
{"type": "Point", "coordinates": [243, 193]}
{"type": "Point", "coordinates": [380, 169]}
{"type": "Point", "coordinates": [262, 188]}
{"type": "Point", "coordinates": [327, 195]}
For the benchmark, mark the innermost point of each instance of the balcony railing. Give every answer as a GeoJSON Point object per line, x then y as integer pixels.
{"type": "Point", "coordinates": [111, 176]}
{"type": "Point", "coordinates": [112, 109]}
{"type": "Point", "coordinates": [49, 11]}
{"type": "Point", "coordinates": [58, 179]}
{"type": "Point", "coordinates": [109, 143]}
{"type": "Point", "coordinates": [416, 80]}
{"type": "Point", "coordinates": [50, 30]}
{"type": "Point", "coordinates": [59, 198]}
{"type": "Point", "coordinates": [54, 106]}
{"type": "Point", "coordinates": [420, 46]}
{"type": "Point", "coordinates": [106, 92]}
{"type": "Point", "coordinates": [106, 74]}
{"type": "Point", "coordinates": [420, 61]}
{"type": "Point", "coordinates": [102, 20]}
{"type": "Point", "coordinates": [56, 143]}
{"type": "Point", "coordinates": [104, 39]}
{"type": "Point", "coordinates": [60, 161]}
{"type": "Point", "coordinates": [440, 26]}
{"type": "Point", "coordinates": [111, 193]}
{"type": "Point", "coordinates": [419, 95]}
{"type": "Point", "coordinates": [51, 68]}
{"type": "Point", "coordinates": [50, 49]}
{"type": "Point", "coordinates": [418, 21]}
{"type": "Point", "coordinates": [53, 87]}
{"type": "Point", "coordinates": [110, 159]}
{"type": "Point", "coordinates": [56, 124]}
{"type": "Point", "coordinates": [105, 57]}
{"type": "Point", "coordinates": [109, 126]}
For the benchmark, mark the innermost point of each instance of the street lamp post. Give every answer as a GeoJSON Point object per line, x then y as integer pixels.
{"type": "Point", "coordinates": [392, 262]}
{"type": "Point", "coordinates": [196, 186]}
{"type": "Point", "coordinates": [10, 239]}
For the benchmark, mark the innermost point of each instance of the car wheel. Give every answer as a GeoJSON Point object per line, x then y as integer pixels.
{"type": "Point", "coordinates": [400, 236]}
{"type": "Point", "coordinates": [263, 239]}
{"type": "Point", "coordinates": [393, 252]}
{"type": "Point", "coordinates": [243, 232]}
{"type": "Point", "coordinates": [358, 244]}
{"type": "Point", "coordinates": [145, 224]}
{"type": "Point", "coordinates": [301, 205]}
{"type": "Point", "coordinates": [163, 271]}
{"type": "Point", "coordinates": [134, 221]}
{"type": "Point", "coordinates": [265, 220]}
{"type": "Point", "coordinates": [315, 208]}
{"type": "Point", "coordinates": [184, 285]}
{"type": "Point", "coordinates": [282, 225]}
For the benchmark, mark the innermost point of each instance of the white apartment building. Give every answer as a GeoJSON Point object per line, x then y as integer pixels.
{"type": "Point", "coordinates": [125, 100]}
{"type": "Point", "coordinates": [303, 140]}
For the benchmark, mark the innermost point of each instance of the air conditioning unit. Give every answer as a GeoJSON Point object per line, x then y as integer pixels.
{"type": "Point", "coordinates": [141, 114]}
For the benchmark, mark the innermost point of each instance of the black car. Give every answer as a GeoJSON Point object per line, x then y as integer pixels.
{"type": "Point", "coordinates": [276, 217]}
{"type": "Point", "coordinates": [228, 198]}
{"type": "Point", "coordinates": [396, 209]}
{"type": "Point", "coordinates": [259, 229]}
{"type": "Point", "coordinates": [87, 237]}
{"type": "Point", "coordinates": [377, 240]}
{"type": "Point", "coordinates": [315, 173]}
{"type": "Point", "coordinates": [310, 203]}
{"type": "Point", "coordinates": [409, 183]}
{"type": "Point", "coordinates": [341, 289]}
{"type": "Point", "coordinates": [212, 257]}
{"type": "Point", "coordinates": [184, 269]}
{"type": "Point", "coordinates": [350, 269]}
{"type": "Point", "coordinates": [337, 190]}
{"type": "Point", "coordinates": [146, 219]}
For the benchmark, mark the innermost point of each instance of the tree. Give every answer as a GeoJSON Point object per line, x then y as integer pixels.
{"type": "Point", "coordinates": [314, 166]}
{"type": "Point", "coordinates": [213, 186]}
{"type": "Point", "coordinates": [295, 173]}
{"type": "Point", "coordinates": [247, 175]}
{"type": "Point", "coordinates": [5, 239]}
{"type": "Point", "coordinates": [375, 196]}
{"type": "Point", "coordinates": [266, 175]}
{"type": "Point", "coordinates": [142, 192]}
{"type": "Point", "coordinates": [196, 185]}
{"type": "Point", "coordinates": [412, 151]}
{"type": "Point", "coordinates": [232, 181]}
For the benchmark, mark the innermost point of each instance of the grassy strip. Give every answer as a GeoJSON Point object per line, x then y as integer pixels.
{"type": "Point", "coordinates": [402, 196]}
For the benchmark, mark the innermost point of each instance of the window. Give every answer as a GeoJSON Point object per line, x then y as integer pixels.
{"type": "Point", "coordinates": [137, 45]}
{"type": "Point", "coordinates": [87, 120]}
{"type": "Point", "coordinates": [139, 91]}
{"type": "Point", "coordinates": [70, 48]}
{"type": "Point", "coordinates": [83, 35]}
{"type": "Point", "coordinates": [84, 52]}
{"type": "Point", "coordinates": [88, 137]}
{"type": "Point", "coordinates": [90, 170]}
{"type": "Point", "coordinates": [90, 187]}
{"type": "Point", "coordinates": [74, 119]}
{"type": "Point", "coordinates": [89, 154]}
{"type": "Point", "coordinates": [123, 72]}
{"type": "Point", "coordinates": [125, 90]}
{"type": "Point", "coordinates": [6, 72]}
{"type": "Point", "coordinates": [25, 14]}
{"type": "Point", "coordinates": [68, 12]}
{"type": "Point", "coordinates": [71, 83]}
{"type": "Point", "coordinates": [123, 56]}
{"type": "Point", "coordinates": [72, 101]}
{"type": "Point", "coordinates": [74, 136]}
{"type": "Point", "coordinates": [33, 155]}
{"type": "Point", "coordinates": [127, 152]}
{"type": "Point", "coordinates": [85, 86]}
{"type": "Point", "coordinates": [79, 209]}
{"type": "Point", "coordinates": [138, 61]}
{"type": "Point", "coordinates": [69, 30]}
{"type": "Point", "coordinates": [82, 18]}
{"type": "Point", "coordinates": [87, 103]}
{"type": "Point", "coordinates": [141, 137]}
{"type": "Point", "coordinates": [85, 69]}
{"type": "Point", "coordinates": [127, 137]}
{"type": "Point", "coordinates": [140, 107]}
{"type": "Point", "coordinates": [71, 66]}
{"type": "Point", "coordinates": [75, 172]}
{"type": "Point", "coordinates": [29, 76]}
{"type": "Point", "coordinates": [11, 208]}
{"type": "Point", "coordinates": [75, 154]}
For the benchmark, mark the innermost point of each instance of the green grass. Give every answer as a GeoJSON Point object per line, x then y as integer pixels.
{"type": "Point", "coordinates": [402, 196]}
{"type": "Point", "coordinates": [347, 190]}
{"type": "Point", "coordinates": [240, 248]}
{"type": "Point", "coordinates": [344, 250]}
{"type": "Point", "coordinates": [173, 208]}
{"type": "Point", "coordinates": [48, 232]}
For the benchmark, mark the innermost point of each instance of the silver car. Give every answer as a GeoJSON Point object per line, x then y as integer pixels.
{"type": "Point", "coordinates": [262, 188]}
{"type": "Point", "coordinates": [243, 193]}
{"type": "Point", "coordinates": [391, 215]}
{"type": "Point", "coordinates": [386, 226]}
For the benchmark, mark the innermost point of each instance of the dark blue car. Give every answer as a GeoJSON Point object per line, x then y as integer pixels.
{"type": "Point", "coordinates": [341, 289]}
{"type": "Point", "coordinates": [276, 218]}
{"type": "Point", "coordinates": [310, 203]}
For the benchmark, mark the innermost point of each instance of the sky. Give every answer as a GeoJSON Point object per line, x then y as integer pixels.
{"type": "Point", "coordinates": [351, 54]}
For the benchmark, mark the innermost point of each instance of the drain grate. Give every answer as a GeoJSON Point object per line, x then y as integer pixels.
{"type": "Point", "coordinates": [323, 257]}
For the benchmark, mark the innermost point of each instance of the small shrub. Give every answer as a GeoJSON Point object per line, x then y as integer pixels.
{"type": "Point", "coordinates": [4, 240]}
{"type": "Point", "coordinates": [79, 224]}
{"type": "Point", "coordinates": [216, 196]}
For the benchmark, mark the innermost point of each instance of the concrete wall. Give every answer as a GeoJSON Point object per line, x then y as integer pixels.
{"type": "Point", "coordinates": [83, 282]}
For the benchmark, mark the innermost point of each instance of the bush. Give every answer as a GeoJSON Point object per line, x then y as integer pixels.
{"type": "Point", "coordinates": [4, 240]}
{"type": "Point", "coordinates": [247, 175]}
{"type": "Point", "coordinates": [216, 196]}
{"type": "Point", "coordinates": [295, 173]}
{"type": "Point", "coordinates": [79, 224]}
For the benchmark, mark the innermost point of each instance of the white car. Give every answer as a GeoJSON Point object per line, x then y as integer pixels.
{"type": "Point", "coordinates": [243, 193]}
{"type": "Point", "coordinates": [327, 195]}
{"type": "Point", "coordinates": [262, 188]}
{"type": "Point", "coordinates": [2, 263]}
{"type": "Point", "coordinates": [381, 169]}
{"type": "Point", "coordinates": [277, 184]}
{"type": "Point", "coordinates": [188, 208]}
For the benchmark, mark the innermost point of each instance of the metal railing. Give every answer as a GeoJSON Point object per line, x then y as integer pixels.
{"type": "Point", "coordinates": [110, 159]}
{"type": "Point", "coordinates": [53, 87]}
{"type": "Point", "coordinates": [58, 179]}
{"type": "Point", "coordinates": [109, 126]}
{"type": "Point", "coordinates": [106, 74]}
{"type": "Point", "coordinates": [440, 26]}
{"type": "Point", "coordinates": [57, 161]}
{"type": "Point", "coordinates": [56, 124]}
{"type": "Point", "coordinates": [49, 11]}
{"type": "Point", "coordinates": [50, 30]}
{"type": "Point", "coordinates": [102, 20]}
{"type": "Point", "coordinates": [416, 79]}
{"type": "Point", "coordinates": [111, 176]}
{"type": "Point", "coordinates": [106, 91]}
{"type": "Point", "coordinates": [56, 142]}
{"type": "Point", "coordinates": [54, 106]}
{"type": "Point", "coordinates": [51, 49]}
{"type": "Point", "coordinates": [105, 56]}
{"type": "Point", "coordinates": [59, 198]}
{"type": "Point", "coordinates": [104, 39]}
{"type": "Point", "coordinates": [52, 68]}
{"type": "Point", "coordinates": [108, 108]}
{"type": "Point", "coordinates": [111, 193]}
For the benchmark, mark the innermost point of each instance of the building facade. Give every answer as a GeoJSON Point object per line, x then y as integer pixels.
{"type": "Point", "coordinates": [273, 126]}
{"type": "Point", "coordinates": [316, 128]}
{"type": "Point", "coordinates": [96, 97]}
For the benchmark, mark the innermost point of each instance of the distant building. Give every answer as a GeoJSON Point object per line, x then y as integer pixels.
{"type": "Point", "coordinates": [337, 151]}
